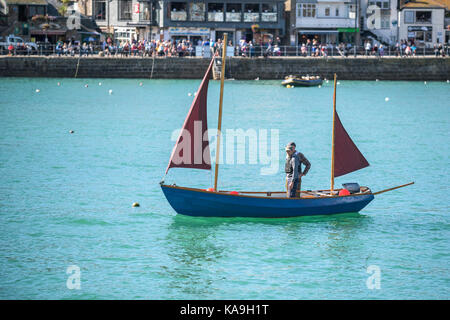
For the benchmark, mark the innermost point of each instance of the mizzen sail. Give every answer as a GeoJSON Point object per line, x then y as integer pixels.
{"type": "Point", "coordinates": [192, 147]}
{"type": "Point", "coordinates": [347, 157]}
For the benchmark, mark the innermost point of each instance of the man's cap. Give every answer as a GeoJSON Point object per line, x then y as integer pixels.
{"type": "Point", "coordinates": [290, 146]}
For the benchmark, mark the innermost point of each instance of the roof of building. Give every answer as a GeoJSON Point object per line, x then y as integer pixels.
{"type": "Point", "coordinates": [28, 2]}
{"type": "Point", "coordinates": [424, 4]}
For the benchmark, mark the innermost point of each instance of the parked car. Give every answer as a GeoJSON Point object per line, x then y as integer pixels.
{"type": "Point", "coordinates": [18, 43]}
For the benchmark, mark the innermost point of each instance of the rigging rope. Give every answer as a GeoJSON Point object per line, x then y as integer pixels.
{"type": "Point", "coordinates": [78, 65]}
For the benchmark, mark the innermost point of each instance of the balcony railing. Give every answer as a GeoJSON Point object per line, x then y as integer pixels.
{"type": "Point", "coordinates": [233, 16]}
{"type": "Point", "coordinates": [269, 17]}
{"type": "Point", "coordinates": [215, 16]}
{"type": "Point", "coordinates": [251, 17]}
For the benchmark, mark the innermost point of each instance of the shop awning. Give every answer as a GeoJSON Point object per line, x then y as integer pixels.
{"type": "Point", "coordinates": [318, 31]}
{"type": "Point", "coordinates": [348, 29]}
{"type": "Point", "coordinates": [48, 32]}
{"type": "Point", "coordinates": [27, 2]}
{"type": "Point", "coordinates": [187, 31]}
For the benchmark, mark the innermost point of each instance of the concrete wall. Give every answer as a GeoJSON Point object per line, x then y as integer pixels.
{"type": "Point", "coordinates": [238, 68]}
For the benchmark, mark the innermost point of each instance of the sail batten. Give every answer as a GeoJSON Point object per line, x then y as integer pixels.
{"type": "Point", "coordinates": [191, 149]}
{"type": "Point", "coordinates": [347, 157]}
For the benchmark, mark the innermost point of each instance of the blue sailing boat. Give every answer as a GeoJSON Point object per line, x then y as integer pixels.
{"type": "Point", "coordinates": [192, 151]}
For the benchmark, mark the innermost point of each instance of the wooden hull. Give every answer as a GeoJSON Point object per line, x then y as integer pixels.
{"type": "Point", "coordinates": [302, 83]}
{"type": "Point", "coordinates": [197, 202]}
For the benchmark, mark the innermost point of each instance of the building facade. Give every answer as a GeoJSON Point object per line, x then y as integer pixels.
{"type": "Point", "coordinates": [127, 19]}
{"type": "Point", "coordinates": [189, 19]}
{"type": "Point", "coordinates": [18, 20]}
{"type": "Point", "coordinates": [380, 20]}
{"type": "Point", "coordinates": [422, 22]}
{"type": "Point", "coordinates": [328, 21]}
{"type": "Point", "coordinates": [253, 20]}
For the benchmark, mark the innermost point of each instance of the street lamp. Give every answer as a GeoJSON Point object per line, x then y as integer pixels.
{"type": "Point", "coordinates": [108, 1]}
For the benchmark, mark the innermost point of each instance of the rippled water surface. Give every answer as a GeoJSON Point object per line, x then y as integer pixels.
{"type": "Point", "coordinates": [65, 199]}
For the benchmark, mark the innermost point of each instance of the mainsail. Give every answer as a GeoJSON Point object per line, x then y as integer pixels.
{"type": "Point", "coordinates": [192, 147]}
{"type": "Point", "coordinates": [347, 157]}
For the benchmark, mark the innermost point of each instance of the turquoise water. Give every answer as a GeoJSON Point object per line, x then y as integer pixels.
{"type": "Point", "coordinates": [65, 199]}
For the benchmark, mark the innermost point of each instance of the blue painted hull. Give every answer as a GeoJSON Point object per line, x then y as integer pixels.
{"type": "Point", "coordinates": [196, 202]}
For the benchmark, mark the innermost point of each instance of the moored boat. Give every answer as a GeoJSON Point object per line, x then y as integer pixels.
{"type": "Point", "coordinates": [308, 81]}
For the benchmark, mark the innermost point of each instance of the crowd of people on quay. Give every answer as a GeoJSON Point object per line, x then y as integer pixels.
{"type": "Point", "coordinates": [244, 48]}
{"type": "Point", "coordinates": [148, 48]}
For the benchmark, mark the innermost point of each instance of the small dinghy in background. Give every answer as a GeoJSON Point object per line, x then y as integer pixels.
{"type": "Point", "coordinates": [305, 81]}
{"type": "Point", "coordinates": [194, 153]}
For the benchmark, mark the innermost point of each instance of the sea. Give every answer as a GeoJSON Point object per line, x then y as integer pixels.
{"type": "Point", "coordinates": [75, 154]}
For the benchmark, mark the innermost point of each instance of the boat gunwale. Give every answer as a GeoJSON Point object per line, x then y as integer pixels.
{"type": "Point", "coordinates": [223, 192]}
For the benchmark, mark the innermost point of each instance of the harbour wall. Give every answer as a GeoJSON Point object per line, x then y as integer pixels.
{"type": "Point", "coordinates": [386, 68]}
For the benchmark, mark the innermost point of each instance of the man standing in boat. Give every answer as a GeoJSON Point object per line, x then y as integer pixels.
{"type": "Point", "coordinates": [293, 169]}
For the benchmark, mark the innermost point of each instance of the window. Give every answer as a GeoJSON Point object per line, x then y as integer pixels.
{"type": "Point", "coordinates": [178, 11]}
{"type": "Point", "coordinates": [423, 16]}
{"type": "Point", "coordinates": [36, 10]}
{"type": "Point", "coordinates": [308, 10]}
{"type": "Point", "coordinates": [424, 36]}
{"type": "Point", "coordinates": [337, 12]}
{"type": "Point", "coordinates": [409, 16]}
{"type": "Point", "coordinates": [327, 12]}
{"type": "Point", "coordinates": [215, 12]}
{"type": "Point", "coordinates": [352, 11]}
{"type": "Point", "coordinates": [385, 21]}
{"type": "Point", "coordinates": [251, 12]}
{"type": "Point", "coordinates": [145, 10]}
{"type": "Point", "coordinates": [269, 12]}
{"type": "Point", "coordinates": [383, 4]}
{"type": "Point", "coordinates": [124, 34]}
{"type": "Point", "coordinates": [125, 10]}
{"type": "Point", "coordinates": [197, 11]}
{"type": "Point", "coordinates": [234, 12]}
{"type": "Point", "coordinates": [100, 10]}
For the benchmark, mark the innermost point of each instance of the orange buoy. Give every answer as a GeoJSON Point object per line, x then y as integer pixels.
{"type": "Point", "coordinates": [344, 192]}
{"type": "Point", "coordinates": [234, 193]}
{"type": "Point", "coordinates": [210, 189]}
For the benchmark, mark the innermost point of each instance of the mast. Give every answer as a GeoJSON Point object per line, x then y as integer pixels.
{"type": "Point", "coordinates": [219, 124]}
{"type": "Point", "coordinates": [332, 135]}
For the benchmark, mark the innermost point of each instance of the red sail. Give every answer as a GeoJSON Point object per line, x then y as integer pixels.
{"type": "Point", "coordinates": [347, 157]}
{"type": "Point", "coordinates": [191, 149]}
